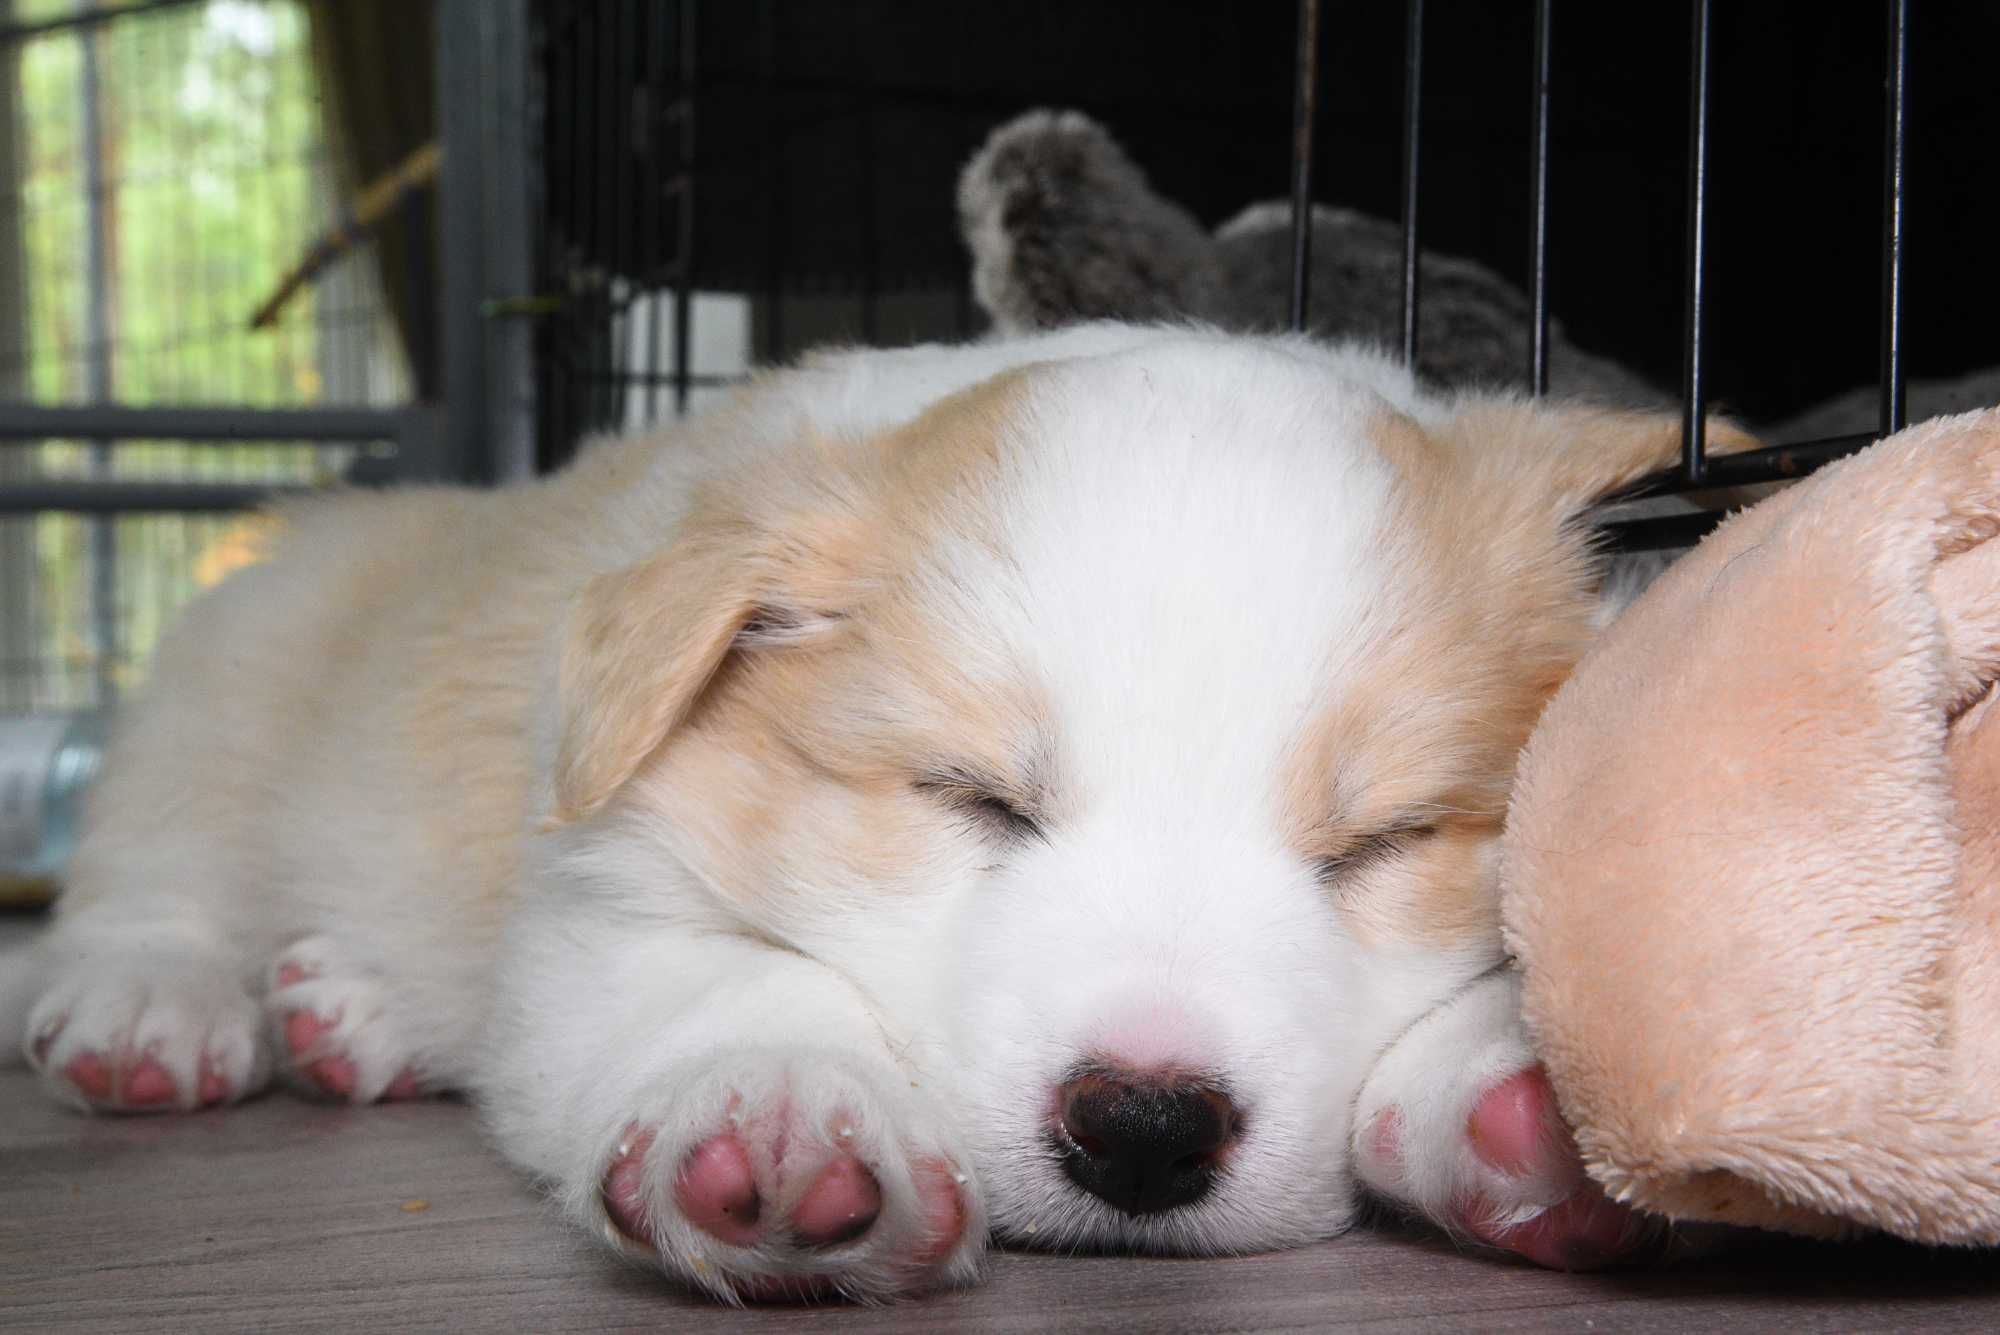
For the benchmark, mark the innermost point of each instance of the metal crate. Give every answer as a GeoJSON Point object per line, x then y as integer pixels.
{"type": "Point", "coordinates": [637, 95]}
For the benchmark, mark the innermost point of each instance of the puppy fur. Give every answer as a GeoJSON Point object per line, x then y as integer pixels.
{"type": "Point", "coordinates": [844, 768]}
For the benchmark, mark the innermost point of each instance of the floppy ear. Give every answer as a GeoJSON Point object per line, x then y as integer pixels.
{"type": "Point", "coordinates": [1575, 453]}
{"type": "Point", "coordinates": [643, 643]}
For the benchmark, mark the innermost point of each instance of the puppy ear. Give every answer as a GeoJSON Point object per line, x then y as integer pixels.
{"type": "Point", "coordinates": [643, 643]}
{"type": "Point", "coordinates": [1577, 454]}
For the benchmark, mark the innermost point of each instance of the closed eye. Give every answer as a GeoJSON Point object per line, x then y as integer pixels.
{"type": "Point", "coordinates": [1369, 850]}
{"type": "Point", "coordinates": [983, 800]}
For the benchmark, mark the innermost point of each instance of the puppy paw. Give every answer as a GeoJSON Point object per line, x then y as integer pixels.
{"type": "Point", "coordinates": [334, 1020]}
{"type": "Point", "coordinates": [147, 1031]}
{"type": "Point", "coordinates": [788, 1177]}
{"type": "Point", "coordinates": [1458, 1123]}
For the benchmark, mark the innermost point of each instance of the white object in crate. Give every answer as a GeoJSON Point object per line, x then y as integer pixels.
{"type": "Point", "coordinates": [47, 762]}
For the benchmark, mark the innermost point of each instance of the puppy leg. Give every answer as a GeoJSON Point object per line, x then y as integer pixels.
{"type": "Point", "coordinates": [1457, 1123]}
{"type": "Point", "coordinates": [138, 1016]}
{"type": "Point", "coordinates": [729, 1111]}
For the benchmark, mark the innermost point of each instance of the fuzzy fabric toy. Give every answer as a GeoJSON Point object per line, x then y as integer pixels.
{"type": "Point", "coordinates": [1063, 227]}
{"type": "Point", "coordinates": [1752, 863]}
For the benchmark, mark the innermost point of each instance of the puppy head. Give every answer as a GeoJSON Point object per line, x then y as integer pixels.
{"type": "Point", "coordinates": [1133, 732]}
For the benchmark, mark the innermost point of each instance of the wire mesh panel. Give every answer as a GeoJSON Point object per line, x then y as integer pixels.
{"type": "Point", "coordinates": [171, 166]}
{"type": "Point", "coordinates": [163, 561]}
{"type": "Point", "coordinates": [166, 164]}
{"type": "Point", "coordinates": [727, 184]}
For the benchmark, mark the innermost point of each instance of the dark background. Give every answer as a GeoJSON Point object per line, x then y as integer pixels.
{"type": "Point", "coordinates": [830, 134]}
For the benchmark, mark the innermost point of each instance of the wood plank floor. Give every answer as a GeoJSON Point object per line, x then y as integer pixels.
{"type": "Point", "coordinates": [283, 1216]}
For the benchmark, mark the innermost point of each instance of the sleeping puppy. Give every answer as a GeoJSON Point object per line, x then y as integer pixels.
{"type": "Point", "coordinates": [1046, 789]}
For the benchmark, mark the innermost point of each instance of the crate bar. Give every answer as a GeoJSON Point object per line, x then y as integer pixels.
{"type": "Point", "coordinates": [606, 405]}
{"type": "Point", "coordinates": [690, 65]}
{"type": "Point", "coordinates": [1305, 113]}
{"type": "Point", "coordinates": [461, 184]}
{"type": "Point", "coordinates": [774, 184]}
{"type": "Point", "coordinates": [589, 133]}
{"type": "Point", "coordinates": [1538, 210]}
{"type": "Point", "coordinates": [657, 118]}
{"type": "Point", "coordinates": [1694, 458]}
{"type": "Point", "coordinates": [1413, 94]}
{"type": "Point", "coordinates": [622, 80]}
{"type": "Point", "coordinates": [105, 499]}
{"type": "Point", "coordinates": [619, 78]}
{"type": "Point", "coordinates": [567, 204]}
{"type": "Point", "coordinates": [97, 298]}
{"type": "Point", "coordinates": [505, 447]}
{"type": "Point", "coordinates": [20, 422]}
{"type": "Point", "coordinates": [1773, 463]}
{"type": "Point", "coordinates": [615, 376]}
{"type": "Point", "coordinates": [1894, 408]}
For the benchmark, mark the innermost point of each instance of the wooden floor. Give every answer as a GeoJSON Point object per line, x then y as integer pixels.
{"type": "Point", "coordinates": [283, 1216]}
{"type": "Point", "coordinates": [286, 1216]}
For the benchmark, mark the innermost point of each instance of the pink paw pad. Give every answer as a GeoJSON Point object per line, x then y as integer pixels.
{"type": "Point", "coordinates": [140, 1082]}
{"type": "Point", "coordinates": [333, 1072]}
{"type": "Point", "coordinates": [717, 1190]}
{"type": "Point", "coordinates": [1585, 1232]}
{"type": "Point", "coordinates": [833, 1200]}
{"type": "Point", "coordinates": [1516, 1128]}
{"type": "Point", "coordinates": [944, 1208]}
{"type": "Point", "coordinates": [88, 1072]}
{"type": "Point", "coordinates": [147, 1084]}
{"type": "Point", "coordinates": [624, 1189]}
{"type": "Point", "coordinates": [839, 1206]}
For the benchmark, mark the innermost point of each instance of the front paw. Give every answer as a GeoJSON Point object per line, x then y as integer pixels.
{"type": "Point", "coordinates": [1458, 1123]}
{"type": "Point", "coordinates": [339, 1022]}
{"type": "Point", "coordinates": [147, 1031]}
{"type": "Point", "coordinates": [794, 1175]}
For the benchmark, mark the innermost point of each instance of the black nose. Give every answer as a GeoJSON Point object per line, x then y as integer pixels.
{"type": "Point", "coordinates": [1143, 1144]}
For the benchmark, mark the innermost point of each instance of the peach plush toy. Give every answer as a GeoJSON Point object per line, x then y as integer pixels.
{"type": "Point", "coordinates": [1752, 864]}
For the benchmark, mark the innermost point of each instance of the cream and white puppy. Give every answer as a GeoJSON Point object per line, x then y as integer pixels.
{"type": "Point", "coordinates": [1045, 788]}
